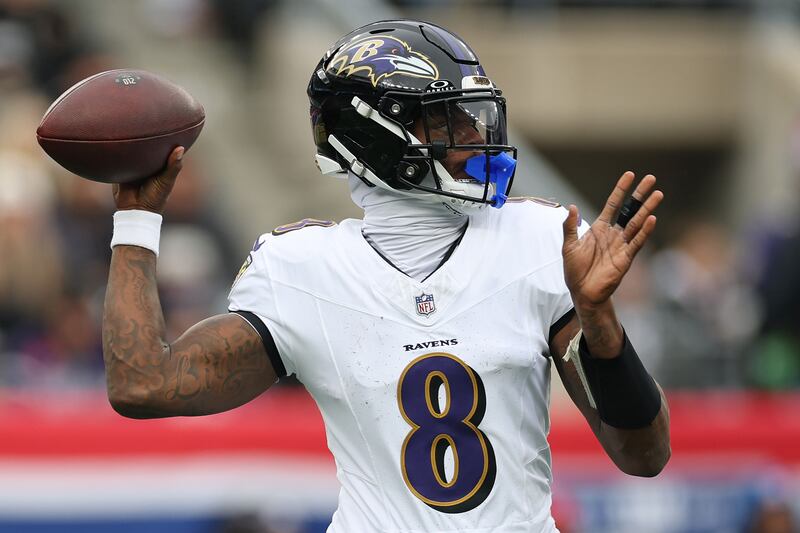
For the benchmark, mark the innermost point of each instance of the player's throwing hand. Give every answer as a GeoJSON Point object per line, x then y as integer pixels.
{"type": "Point", "coordinates": [150, 194]}
{"type": "Point", "coordinates": [595, 263]}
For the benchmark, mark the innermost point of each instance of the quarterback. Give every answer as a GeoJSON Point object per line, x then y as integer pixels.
{"type": "Point", "coordinates": [424, 332]}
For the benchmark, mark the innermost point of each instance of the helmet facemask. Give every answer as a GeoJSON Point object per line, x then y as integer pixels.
{"type": "Point", "coordinates": [452, 147]}
{"type": "Point", "coordinates": [461, 138]}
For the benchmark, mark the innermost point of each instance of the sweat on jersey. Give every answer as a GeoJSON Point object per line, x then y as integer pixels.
{"type": "Point", "coordinates": [435, 394]}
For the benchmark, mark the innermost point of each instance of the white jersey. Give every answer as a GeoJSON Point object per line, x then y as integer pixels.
{"type": "Point", "coordinates": [434, 394]}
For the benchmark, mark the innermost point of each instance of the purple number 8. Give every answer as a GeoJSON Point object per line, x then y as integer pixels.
{"type": "Point", "coordinates": [436, 428]}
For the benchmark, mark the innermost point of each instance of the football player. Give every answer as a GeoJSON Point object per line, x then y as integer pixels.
{"type": "Point", "coordinates": [425, 332]}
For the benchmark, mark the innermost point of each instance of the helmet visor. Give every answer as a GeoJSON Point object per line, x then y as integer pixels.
{"type": "Point", "coordinates": [465, 122]}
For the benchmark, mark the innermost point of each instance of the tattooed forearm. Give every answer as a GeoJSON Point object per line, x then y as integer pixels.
{"type": "Point", "coordinates": [601, 329]}
{"type": "Point", "coordinates": [216, 365]}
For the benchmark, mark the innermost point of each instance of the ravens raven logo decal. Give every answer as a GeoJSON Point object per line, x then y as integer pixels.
{"type": "Point", "coordinates": [377, 58]}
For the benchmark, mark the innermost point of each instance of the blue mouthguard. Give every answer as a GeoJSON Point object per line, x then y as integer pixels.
{"type": "Point", "coordinates": [501, 168]}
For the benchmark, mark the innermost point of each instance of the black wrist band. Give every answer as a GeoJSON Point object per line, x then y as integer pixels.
{"type": "Point", "coordinates": [628, 211]}
{"type": "Point", "coordinates": [626, 395]}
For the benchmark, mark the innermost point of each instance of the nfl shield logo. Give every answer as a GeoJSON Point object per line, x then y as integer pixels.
{"type": "Point", "coordinates": [425, 305]}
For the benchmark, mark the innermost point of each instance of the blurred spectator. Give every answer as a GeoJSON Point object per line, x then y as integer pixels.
{"type": "Point", "coordinates": [638, 311]}
{"type": "Point", "coordinates": [707, 313]}
{"type": "Point", "coordinates": [31, 269]}
{"type": "Point", "coordinates": [191, 279]}
{"type": "Point", "coordinates": [67, 352]}
{"type": "Point", "coordinates": [239, 22]}
{"type": "Point", "coordinates": [775, 358]}
{"type": "Point", "coordinates": [38, 37]}
{"type": "Point", "coordinates": [16, 53]}
{"type": "Point", "coordinates": [176, 19]}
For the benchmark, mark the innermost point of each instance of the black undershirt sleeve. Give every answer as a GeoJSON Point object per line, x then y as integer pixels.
{"type": "Point", "coordinates": [559, 325]}
{"type": "Point", "coordinates": [266, 338]}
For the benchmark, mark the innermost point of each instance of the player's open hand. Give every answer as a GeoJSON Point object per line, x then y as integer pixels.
{"type": "Point", "coordinates": [150, 194]}
{"type": "Point", "coordinates": [595, 264]}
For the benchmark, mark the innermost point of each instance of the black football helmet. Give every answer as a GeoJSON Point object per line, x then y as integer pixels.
{"type": "Point", "coordinates": [406, 106]}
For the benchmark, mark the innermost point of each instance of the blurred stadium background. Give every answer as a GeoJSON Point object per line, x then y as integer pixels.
{"type": "Point", "coordinates": [703, 93]}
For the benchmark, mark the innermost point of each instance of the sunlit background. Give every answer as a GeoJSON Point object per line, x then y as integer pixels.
{"type": "Point", "coordinates": [705, 94]}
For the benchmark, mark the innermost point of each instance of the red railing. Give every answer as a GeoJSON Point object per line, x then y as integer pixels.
{"type": "Point", "coordinates": [286, 421]}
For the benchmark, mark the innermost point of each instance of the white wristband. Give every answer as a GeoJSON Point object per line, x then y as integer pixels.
{"type": "Point", "coordinates": [137, 228]}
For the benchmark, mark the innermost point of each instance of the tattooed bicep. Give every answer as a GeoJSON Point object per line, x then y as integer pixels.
{"type": "Point", "coordinates": [221, 360]}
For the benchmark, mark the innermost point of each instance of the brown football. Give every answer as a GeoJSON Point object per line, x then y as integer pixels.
{"type": "Point", "coordinates": [119, 126]}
